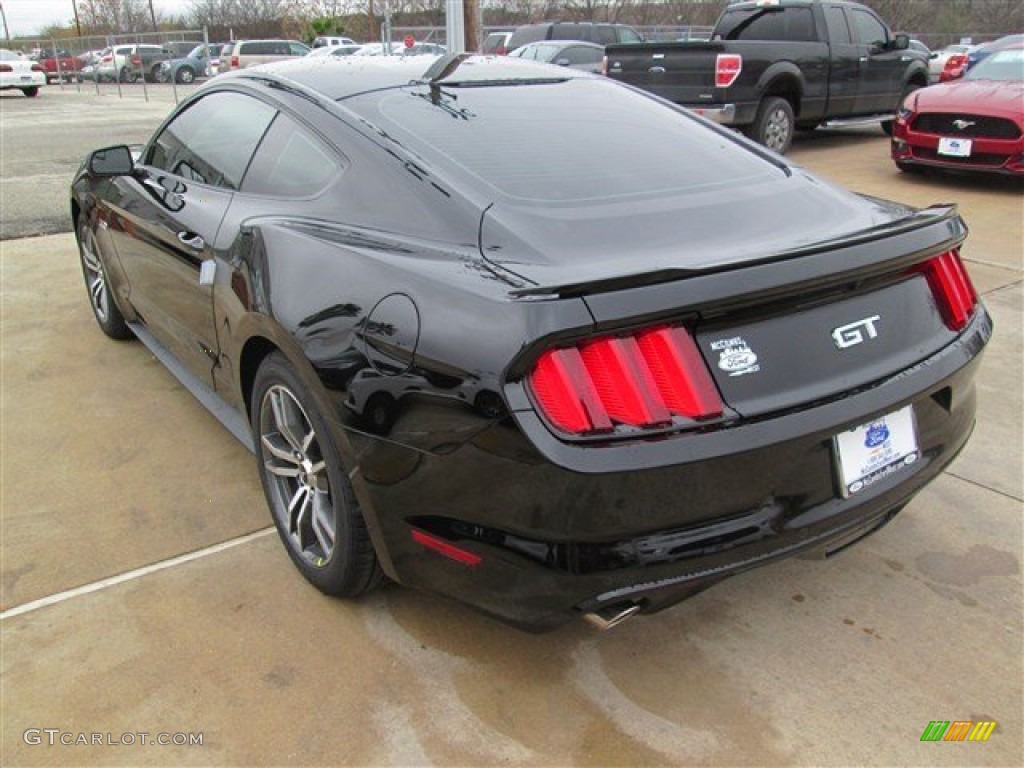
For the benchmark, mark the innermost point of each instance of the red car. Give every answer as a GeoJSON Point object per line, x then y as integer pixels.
{"type": "Point", "coordinates": [974, 124]}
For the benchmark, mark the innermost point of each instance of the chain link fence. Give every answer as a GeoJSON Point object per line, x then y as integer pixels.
{"type": "Point", "coordinates": [118, 64]}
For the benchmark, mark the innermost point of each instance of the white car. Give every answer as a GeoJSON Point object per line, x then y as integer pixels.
{"type": "Point", "coordinates": [334, 50]}
{"type": "Point", "coordinates": [23, 74]}
{"type": "Point", "coordinates": [937, 62]}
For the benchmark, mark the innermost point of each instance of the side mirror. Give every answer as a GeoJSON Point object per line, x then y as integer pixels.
{"type": "Point", "coordinates": [112, 161]}
{"type": "Point", "coordinates": [562, 62]}
{"type": "Point", "coordinates": [901, 42]}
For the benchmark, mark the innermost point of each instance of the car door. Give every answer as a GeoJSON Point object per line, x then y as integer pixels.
{"type": "Point", "coordinates": [171, 221]}
{"type": "Point", "coordinates": [881, 67]}
{"type": "Point", "coordinates": [844, 67]}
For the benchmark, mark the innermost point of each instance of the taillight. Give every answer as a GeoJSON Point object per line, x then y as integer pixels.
{"type": "Point", "coordinates": [38, 68]}
{"type": "Point", "coordinates": [234, 62]}
{"type": "Point", "coordinates": [6, 68]}
{"type": "Point", "coordinates": [952, 288]}
{"type": "Point", "coordinates": [727, 68]}
{"type": "Point", "coordinates": [107, 59]}
{"type": "Point", "coordinates": [136, 61]}
{"type": "Point", "coordinates": [644, 380]}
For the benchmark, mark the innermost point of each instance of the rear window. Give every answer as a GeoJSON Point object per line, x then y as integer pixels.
{"type": "Point", "coordinates": [774, 23]}
{"type": "Point", "coordinates": [583, 139]}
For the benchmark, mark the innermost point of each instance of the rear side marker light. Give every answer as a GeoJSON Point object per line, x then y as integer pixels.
{"type": "Point", "coordinates": [447, 549]}
{"type": "Point", "coordinates": [951, 287]}
{"type": "Point", "coordinates": [641, 380]}
{"type": "Point", "coordinates": [727, 68]}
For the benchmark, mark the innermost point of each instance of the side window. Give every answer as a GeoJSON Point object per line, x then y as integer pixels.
{"type": "Point", "coordinates": [290, 163]}
{"type": "Point", "coordinates": [604, 35]}
{"type": "Point", "coordinates": [629, 35]}
{"type": "Point", "coordinates": [298, 49]}
{"type": "Point", "coordinates": [212, 140]}
{"type": "Point", "coordinates": [580, 54]}
{"type": "Point", "coordinates": [867, 29]}
{"type": "Point", "coordinates": [838, 31]}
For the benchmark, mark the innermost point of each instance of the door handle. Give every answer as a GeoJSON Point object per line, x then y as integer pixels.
{"type": "Point", "coordinates": [657, 70]}
{"type": "Point", "coordinates": [192, 240]}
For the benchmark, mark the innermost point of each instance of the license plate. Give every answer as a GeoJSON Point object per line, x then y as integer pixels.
{"type": "Point", "coordinates": [955, 147]}
{"type": "Point", "coordinates": [875, 450]}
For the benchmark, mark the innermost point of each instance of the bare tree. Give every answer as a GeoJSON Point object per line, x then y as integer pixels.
{"type": "Point", "coordinates": [112, 16]}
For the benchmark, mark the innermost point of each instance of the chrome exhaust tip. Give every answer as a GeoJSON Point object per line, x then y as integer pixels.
{"type": "Point", "coordinates": [612, 615]}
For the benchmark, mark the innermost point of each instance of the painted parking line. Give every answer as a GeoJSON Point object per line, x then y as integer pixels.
{"type": "Point", "coordinates": [121, 578]}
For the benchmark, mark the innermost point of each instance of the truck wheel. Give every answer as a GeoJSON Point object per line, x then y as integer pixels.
{"type": "Point", "coordinates": [774, 124]}
{"type": "Point", "coordinates": [185, 75]}
{"type": "Point", "coordinates": [888, 124]}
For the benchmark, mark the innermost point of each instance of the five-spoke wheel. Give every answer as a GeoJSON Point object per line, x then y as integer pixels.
{"type": "Point", "coordinates": [105, 309]}
{"type": "Point", "coordinates": [310, 495]}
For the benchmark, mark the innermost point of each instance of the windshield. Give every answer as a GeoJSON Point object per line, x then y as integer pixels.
{"type": "Point", "coordinates": [1002, 65]}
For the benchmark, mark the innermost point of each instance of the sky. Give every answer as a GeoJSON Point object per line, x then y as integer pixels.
{"type": "Point", "coordinates": [27, 17]}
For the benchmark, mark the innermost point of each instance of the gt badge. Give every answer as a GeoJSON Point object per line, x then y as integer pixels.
{"type": "Point", "coordinates": [855, 333]}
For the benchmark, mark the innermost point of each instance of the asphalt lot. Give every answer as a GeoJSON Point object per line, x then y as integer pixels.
{"type": "Point", "coordinates": [108, 465]}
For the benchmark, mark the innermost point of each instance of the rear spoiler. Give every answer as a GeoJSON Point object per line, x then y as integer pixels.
{"type": "Point", "coordinates": [944, 213]}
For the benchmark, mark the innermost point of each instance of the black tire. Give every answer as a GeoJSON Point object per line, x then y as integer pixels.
{"type": "Point", "coordinates": [31, 91]}
{"type": "Point", "coordinates": [154, 73]}
{"type": "Point", "coordinates": [185, 75]}
{"type": "Point", "coordinates": [886, 125]}
{"type": "Point", "coordinates": [774, 124]}
{"type": "Point", "coordinates": [909, 168]}
{"type": "Point", "coordinates": [101, 297]}
{"type": "Point", "coordinates": [127, 76]}
{"type": "Point", "coordinates": [304, 482]}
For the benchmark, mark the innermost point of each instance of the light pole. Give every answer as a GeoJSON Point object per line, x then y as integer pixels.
{"type": "Point", "coordinates": [152, 16]}
{"type": "Point", "coordinates": [78, 24]}
{"type": "Point", "coordinates": [7, 32]}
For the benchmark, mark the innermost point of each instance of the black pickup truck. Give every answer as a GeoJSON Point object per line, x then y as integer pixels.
{"type": "Point", "coordinates": [773, 66]}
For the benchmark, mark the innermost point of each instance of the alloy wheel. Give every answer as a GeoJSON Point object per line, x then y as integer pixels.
{"type": "Point", "coordinates": [296, 475]}
{"type": "Point", "coordinates": [95, 277]}
{"type": "Point", "coordinates": [776, 132]}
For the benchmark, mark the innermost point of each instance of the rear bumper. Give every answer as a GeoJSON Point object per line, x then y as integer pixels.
{"type": "Point", "coordinates": [561, 530]}
{"type": "Point", "coordinates": [725, 114]}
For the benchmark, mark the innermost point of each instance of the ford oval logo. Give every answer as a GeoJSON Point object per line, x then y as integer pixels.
{"type": "Point", "coordinates": [737, 361]}
{"type": "Point", "coordinates": [876, 435]}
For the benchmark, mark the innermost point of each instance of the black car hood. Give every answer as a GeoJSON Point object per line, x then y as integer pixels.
{"type": "Point", "coordinates": [559, 245]}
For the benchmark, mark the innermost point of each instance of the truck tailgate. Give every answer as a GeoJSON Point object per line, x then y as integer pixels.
{"type": "Point", "coordinates": [682, 72]}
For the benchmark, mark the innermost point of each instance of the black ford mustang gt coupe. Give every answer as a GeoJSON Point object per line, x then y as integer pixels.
{"type": "Point", "coordinates": [529, 338]}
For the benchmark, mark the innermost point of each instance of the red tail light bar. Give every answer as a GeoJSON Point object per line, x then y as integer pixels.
{"type": "Point", "coordinates": [952, 288]}
{"type": "Point", "coordinates": [727, 68]}
{"type": "Point", "coordinates": [642, 380]}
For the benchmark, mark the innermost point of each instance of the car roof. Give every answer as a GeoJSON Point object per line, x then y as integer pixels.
{"type": "Point", "coordinates": [338, 78]}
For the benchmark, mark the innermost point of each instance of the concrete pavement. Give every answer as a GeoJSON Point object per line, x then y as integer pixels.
{"type": "Point", "coordinates": [108, 465]}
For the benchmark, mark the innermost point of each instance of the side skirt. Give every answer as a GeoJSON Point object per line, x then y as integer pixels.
{"type": "Point", "coordinates": [229, 417]}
